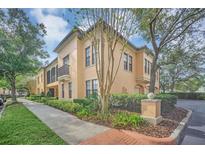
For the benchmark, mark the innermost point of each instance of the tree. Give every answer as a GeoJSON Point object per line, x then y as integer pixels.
{"type": "Point", "coordinates": [106, 28]}
{"type": "Point", "coordinates": [161, 27]}
{"type": "Point", "coordinates": [21, 46]}
{"type": "Point", "coordinates": [191, 85]}
{"type": "Point", "coordinates": [25, 83]}
{"type": "Point", "coordinates": [182, 61]}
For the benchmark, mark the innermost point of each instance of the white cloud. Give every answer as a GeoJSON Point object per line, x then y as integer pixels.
{"type": "Point", "coordinates": [56, 26]}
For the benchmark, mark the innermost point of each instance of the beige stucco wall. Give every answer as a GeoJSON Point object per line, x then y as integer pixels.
{"type": "Point", "coordinates": [70, 48]}
{"type": "Point", "coordinates": [128, 82]}
{"type": "Point", "coordinates": [53, 85]}
{"type": "Point", "coordinates": [40, 86]}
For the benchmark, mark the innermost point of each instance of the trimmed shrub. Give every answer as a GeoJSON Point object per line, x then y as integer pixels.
{"type": "Point", "coordinates": [130, 102]}
{"type": "Point", "coordinates": [84, 102]}
{"type": "Point", "coordinates": [125, 119]}
{"type": "Point", "coordinates": [190, 95]}
{"type": "Point", "coordinates": [67, 106]}
{"type": "Point", "coordinates": [168, 102]}
{"type": "Point", "coordinates": [83, 113]}
{"type": "Point", "coordinates": [90, 103]}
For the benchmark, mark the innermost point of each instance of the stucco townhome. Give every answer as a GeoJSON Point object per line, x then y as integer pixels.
{"type": "Point", "coordinates": [73, 74]}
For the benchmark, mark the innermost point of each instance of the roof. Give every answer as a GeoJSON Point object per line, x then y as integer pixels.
{"type": "Point", "coordinates": [52, 62]}
{"type": "Point", "coordinates": [74, 30]}
{"type": "Point", "coordinates": [80, 33]}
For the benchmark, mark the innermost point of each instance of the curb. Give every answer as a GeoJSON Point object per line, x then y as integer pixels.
{"type": "Point", "coordinates": [175, 138]}
{"type": "Point", "coordinates": [178, 133]}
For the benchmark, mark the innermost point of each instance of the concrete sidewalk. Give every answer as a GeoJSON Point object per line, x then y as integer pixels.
{"type": "Point", "coordinates": [71, 129]}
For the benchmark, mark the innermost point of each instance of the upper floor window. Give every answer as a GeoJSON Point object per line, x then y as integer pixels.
{"type": "Point", "coordinates": [41, 77]}
{"type": "Point", "coordinates": [94, 54]}
{"type": "Point", "coordinates": [70, 89]}
{"type": "Point", "coordinates": [62, 90]}
{"type": "Point", "coordinates": [53, 74]}
{"type": "Point", "coordinates": [48, 77]}
{"type": "Point", "coordinates": [56, 72]}
{"type": "Point", "coordinates": [87, 56]}
{"type": "Point", "coordinates": [38, 80]}
{"type": "Point", "coordinates": [66, 60]}
{"type": "Point", "coordinates": [127, 62]}
{"type": "Point", "coordinates": [130, 63]}
{"type": "Point", "coordinates": [148, 66]}
{"type": "Point", "coordinates": [145, 65]}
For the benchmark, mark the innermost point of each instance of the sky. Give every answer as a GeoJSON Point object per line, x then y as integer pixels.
{"type": "Point", "coordinates": [58, 24]}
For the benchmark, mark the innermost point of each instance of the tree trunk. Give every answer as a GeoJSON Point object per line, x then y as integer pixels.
{"type": "Point", "coordinates": [172, 86]}
{"type": "Point", "coordinates": [13, 90]}
{"type": "Point", "coordinates": [153, 75]}
{"type": "Point", "coordinates": [105, 104]}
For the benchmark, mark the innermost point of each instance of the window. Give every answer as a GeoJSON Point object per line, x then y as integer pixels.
{"type": "Point", "coordinates": [87, 56]}
{"type": "Point", "coordinates": [125, 61]}
{"type": "Point", "coordinates": [56, 72]}
{"type": "Point", "coordinates": [53, 74]}
{"type": "Point", "coordinates": [95, 86]}
{"type": "Point", "coordinates": [94, 54]}
{"type": "Point", "coordinates": [145, 66]}
{"type": "Point", "coordinates": [88, 88]}
{"type": "Point", "coordinates": [38, 80]}
{"type": "Point", "coordinates": [148, 65]}
{"type": "Point", "coordinates": [150, 68]}
{"type": "Point", "coordinates": [130, 63]}
{"type": "Point", "coordinates": [48, 77]}
{"type": "Point", "coordinates": [91, 87]}
{"type": "Point", "coordinates": [62, 90]}
{"type": "Point", "coordinates": [70, 89]}
{"type": "Point", "coordinates": [41, 77]}
{"type": "Point", "coordinates": [66, 60]}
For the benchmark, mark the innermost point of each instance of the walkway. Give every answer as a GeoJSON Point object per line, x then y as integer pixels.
{"type": "Point", "coordinates": [76, 131]}
{"type": "Point", "coordinates": [195, 132]}
{"type": "Point", "coordinates": [68, 127]}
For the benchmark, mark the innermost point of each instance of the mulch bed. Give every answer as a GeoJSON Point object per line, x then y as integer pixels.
{"type": "Point", "coordinates": [163, 129]}
{"type": "Point", "coordinates": [177, 114]}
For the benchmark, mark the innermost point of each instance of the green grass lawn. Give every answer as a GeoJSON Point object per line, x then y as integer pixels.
{"type": "Point", "coordinates": [19, 126]}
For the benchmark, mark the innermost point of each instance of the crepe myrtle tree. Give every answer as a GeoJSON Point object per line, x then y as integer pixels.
{"type": "Point", "coordinates": [106, 28]}
{"type": "Point", "coordinates": [21, 46]}
{"type": "Point", "coordinates": [160, 27]}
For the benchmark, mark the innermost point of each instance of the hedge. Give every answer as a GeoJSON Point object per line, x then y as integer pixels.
{"type": "Point", "coordinates": [168, 102]}
{"type": "Point", "coordinates": [189, 95]}
{"type": "Point", "coordinates": [40, 99]}
{"type": "Point", "coordinates": [132, 102]}
{"type": "Point", "coordinates": [67, 106]}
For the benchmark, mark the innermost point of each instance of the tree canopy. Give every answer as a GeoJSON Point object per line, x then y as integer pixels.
{"type": "Point", "coordinates": [21, 46]}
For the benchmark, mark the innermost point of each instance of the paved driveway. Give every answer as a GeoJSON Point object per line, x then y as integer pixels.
{"type": "Point", "coordinates": [195, 132]}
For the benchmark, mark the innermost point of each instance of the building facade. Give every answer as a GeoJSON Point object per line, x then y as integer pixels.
{"type": "Point", "coordinates": [73, 73]}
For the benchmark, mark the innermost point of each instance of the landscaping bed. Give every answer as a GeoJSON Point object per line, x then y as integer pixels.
{"type": "Point", "coordinates": [161, 130]}
{"type": "Point", "coordinates": [123, 114]}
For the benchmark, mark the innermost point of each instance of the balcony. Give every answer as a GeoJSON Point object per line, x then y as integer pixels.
{"type": "Point", "coordinates": [64, 72]}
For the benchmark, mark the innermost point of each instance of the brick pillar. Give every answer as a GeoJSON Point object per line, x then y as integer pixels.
{"type": "Point", "coordinates": [151, 110]}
